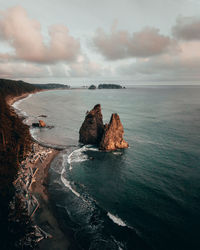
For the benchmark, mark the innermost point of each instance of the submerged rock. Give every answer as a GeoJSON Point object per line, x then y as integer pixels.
{"type": "Point", "coordinates": [92, 128]}
{"type": "Point", "coordinates": [112, 138]}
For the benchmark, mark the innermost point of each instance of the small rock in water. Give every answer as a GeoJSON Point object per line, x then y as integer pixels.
{"type": "Point", "coordinates": [39, 124]}
{"type": "Point", "coordinates": [42, 124]}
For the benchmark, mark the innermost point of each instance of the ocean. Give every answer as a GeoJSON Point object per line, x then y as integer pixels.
{"type": "Point", "coordinates": [143, 197]}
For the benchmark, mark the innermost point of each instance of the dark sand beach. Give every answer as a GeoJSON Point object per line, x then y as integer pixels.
{"type": "Point", "coordinates": [34, 169]}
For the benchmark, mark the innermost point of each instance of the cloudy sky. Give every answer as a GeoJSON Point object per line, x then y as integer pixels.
{"type": "Point", "coordinates": [137, 40]}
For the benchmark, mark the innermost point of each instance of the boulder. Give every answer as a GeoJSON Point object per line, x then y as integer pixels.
{"type": "Point", "coordinates": [42, 124]}
{"type": "Point", "coordinates": [92, 128]}
{"type": "Point", "coordinates": [35, 125]}
{"type": "Point", "coordinates": [112, 138]}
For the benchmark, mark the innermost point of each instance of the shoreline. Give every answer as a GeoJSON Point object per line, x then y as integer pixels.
{"type": "Point", "coordinates": [32, 182]}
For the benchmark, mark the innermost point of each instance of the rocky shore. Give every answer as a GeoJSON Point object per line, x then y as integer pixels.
{"type": "Point", "coordinates": [30, 182]}
{"type": "Point", "coordinates": [31, 189]}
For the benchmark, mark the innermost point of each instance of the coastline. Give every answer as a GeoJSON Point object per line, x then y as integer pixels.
{"type": "Point", "coordinates": [32, 182]}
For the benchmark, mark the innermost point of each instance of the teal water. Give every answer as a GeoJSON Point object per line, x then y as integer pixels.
{"type": "Point", "coordinates": [143, 197]}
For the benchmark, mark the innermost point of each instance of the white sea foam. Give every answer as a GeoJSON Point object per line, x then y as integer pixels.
{"type": "Point", "coordinates": [79, 156]}
{"type": "Point", "coordinates": [67, 183]}
{"type": "Point", "coordinates": [33, 134]}
{"type": "Point", "coordinates": [16, 104]}
{"type": "Point", "coordinates": [117, 153]}
{"type": "Point", "coordinates": [116, 220]}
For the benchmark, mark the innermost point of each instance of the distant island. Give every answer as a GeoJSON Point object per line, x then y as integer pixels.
{"type": "Point", "coordinates": [52, 86]}
{"type": "Point", "coordinates": [92, 87]}
{"type": "Point", "coordinates": [106, 86]}
{"type": "Point", "coordinates": [109, 86]}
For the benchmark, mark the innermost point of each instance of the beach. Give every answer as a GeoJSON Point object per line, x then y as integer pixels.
{"type": "Point", "coordinates": [31, 185]}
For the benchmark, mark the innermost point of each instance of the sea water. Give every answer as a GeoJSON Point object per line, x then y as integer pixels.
{"type": "Point", "coordinates": [143, 197]}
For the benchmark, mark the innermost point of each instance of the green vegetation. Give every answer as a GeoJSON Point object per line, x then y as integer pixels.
{"type": "Point", "coordinates": [109, 86]}
{"type": "Point", "coordinates": [52, 86]}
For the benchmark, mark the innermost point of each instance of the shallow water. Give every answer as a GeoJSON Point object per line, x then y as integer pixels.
{"type": "Point", "coordinates": [143, 197]}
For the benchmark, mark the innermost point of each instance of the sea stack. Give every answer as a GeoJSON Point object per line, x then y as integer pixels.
{"type": "Point", "coordinates": [107, 137]}
{"type": "Point", "coordinates": [92, 128]}
{"type": "Point", "coordinates": [112, 138]}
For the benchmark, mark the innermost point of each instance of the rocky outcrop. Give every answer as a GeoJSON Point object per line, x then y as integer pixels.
{"type": "Point", "coordinates": [108, 137]}
{"type": "Point", "coordinates": [112, 138]}
{"type": "Point", "coordinates": [39, 124]}
{"type": "Point", "coordinates": [42, 124]}
{"type": "Point", "coordinates": [92, 128]}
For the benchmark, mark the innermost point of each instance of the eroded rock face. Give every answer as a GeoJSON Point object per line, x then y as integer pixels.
{"type": "Point", "coordinates": [108, 136]}
{"type": "Point", "coordinates": [92, 128]}
{"type": "Point", "coordinates": [112, 138]}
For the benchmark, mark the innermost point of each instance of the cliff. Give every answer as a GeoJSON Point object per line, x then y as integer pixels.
{"type": "Point", "coordinates": [112, 138]}
{"type": "Point", "coordinates": [108, 136]}
{"type": "Point", "coordinates": [15, 141]}
{"type": "Point", "coordinates": [92, 128]}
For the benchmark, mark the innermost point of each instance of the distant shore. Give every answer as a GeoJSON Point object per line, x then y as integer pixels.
{"type": "Point", "coordinates": [32, 181]}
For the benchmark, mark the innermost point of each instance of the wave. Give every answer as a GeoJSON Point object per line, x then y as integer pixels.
{"type": "Point", "coordinates": [17, 109]}
{"type": "Point", "coordinates": [15, 104]}
{"type": "Point", "coordinates": [117, 220]}
{"type": "Point", "coordinates": [79, 156]}
{"type": "Point", "coordinates": [67, 183]}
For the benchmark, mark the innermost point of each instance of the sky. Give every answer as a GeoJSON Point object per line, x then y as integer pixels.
{"type": "Point", "coordinates": [69, 40]}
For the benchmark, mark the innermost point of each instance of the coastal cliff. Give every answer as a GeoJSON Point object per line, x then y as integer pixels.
{"type": "Point", "coordinates": [108, 136]}
{"type": "Point", "coordinates": [15, 142]}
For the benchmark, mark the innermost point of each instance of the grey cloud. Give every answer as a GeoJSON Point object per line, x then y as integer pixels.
{"type": "Point", "coordinates": [121, 44]}
{"type": "Point", "coordinates": [163, 68]}
{"type": "Point", "coordinates": [24, 36]}
{"type": "Point", "coordinates": [187, 28]}
{"type": "Point", "coordinates": [20, 70]}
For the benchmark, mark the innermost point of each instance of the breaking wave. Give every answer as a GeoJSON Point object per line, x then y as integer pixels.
{"type": "Point", "coordinates": [116, 220]}
{"type": "Point", "coordinates": [67, 183]}
{"type": "Point", "coordinates": [79, 155]}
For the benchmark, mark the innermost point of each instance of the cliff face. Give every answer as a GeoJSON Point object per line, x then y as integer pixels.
{"type": "Point", "coordinates": [113, 135]}
{"type": "Point", "coordinates": [92, 128]}
{"type": "Point", "coordinates": [108, 137]}
{"type": "Point", "coordinates": [15, 141]}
